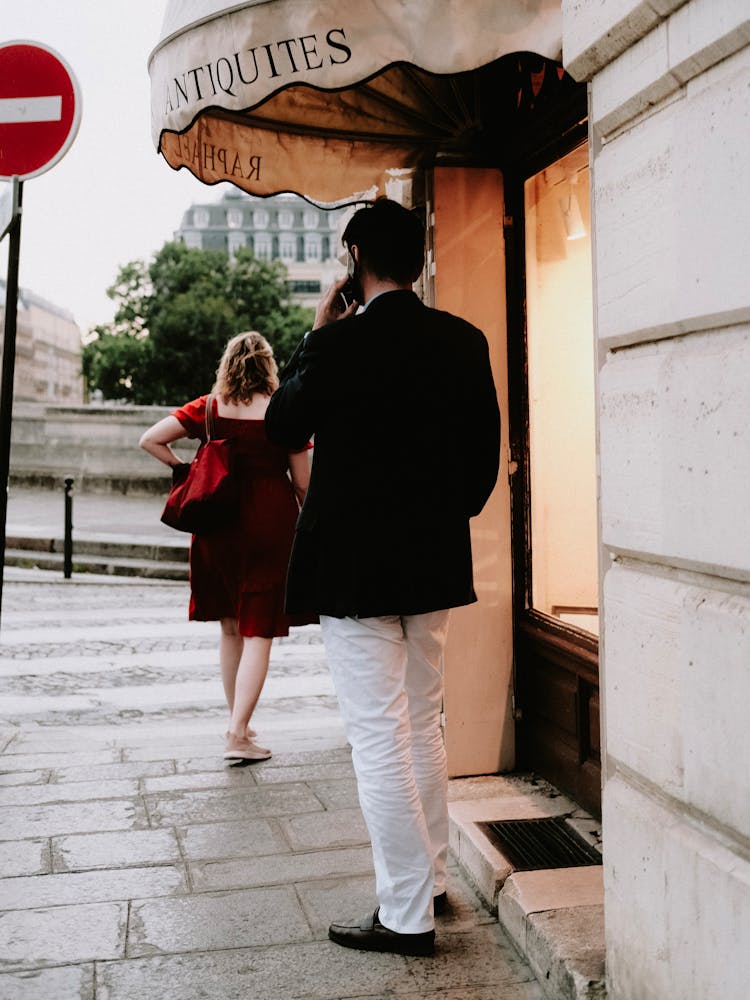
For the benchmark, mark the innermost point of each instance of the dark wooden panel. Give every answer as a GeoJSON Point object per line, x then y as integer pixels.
{"type": "Point", "coordinates": [559, 764]}
{"type": "Point", "coordinates": [558, 696]}
{"type": "Point", "coordinates": [550, 694]}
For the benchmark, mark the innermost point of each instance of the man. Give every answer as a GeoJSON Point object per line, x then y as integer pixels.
{"type": "Point", "coordinates": [402, 404]}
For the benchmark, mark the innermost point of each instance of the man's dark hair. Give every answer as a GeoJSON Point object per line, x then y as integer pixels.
{"type": "Point", "coordinates": [390, 240]}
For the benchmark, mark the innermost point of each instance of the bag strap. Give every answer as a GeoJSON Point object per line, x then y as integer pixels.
{"type": "Point", "coordinates": [209, 416]}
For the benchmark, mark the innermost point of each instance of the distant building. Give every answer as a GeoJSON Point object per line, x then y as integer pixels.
{"type": "Point", "coordinates": [48, 351]}
{"type": "Point", "coordinates": [286, 228]}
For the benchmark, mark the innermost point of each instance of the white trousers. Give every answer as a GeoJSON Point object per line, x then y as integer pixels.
{"type": "Point", "coordinates": [388, 678]}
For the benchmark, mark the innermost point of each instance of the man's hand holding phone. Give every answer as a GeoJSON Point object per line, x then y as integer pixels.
{"type": "Point", "coordinates": [333, 304]}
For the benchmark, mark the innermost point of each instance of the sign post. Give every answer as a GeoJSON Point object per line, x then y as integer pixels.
{"type": "Point", "coordinates": [40, 111]}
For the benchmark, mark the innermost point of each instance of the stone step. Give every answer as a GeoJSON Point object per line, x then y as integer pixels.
{"type": "Point", "coordinates": [102, 564]}
{"type": "Point", "coordinates": [554, 917]}
{"type": "Point", "coordinates": [116, 547]}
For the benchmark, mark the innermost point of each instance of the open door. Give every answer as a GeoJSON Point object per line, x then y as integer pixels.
{"type": "Point", "coordinates": [468, 264]}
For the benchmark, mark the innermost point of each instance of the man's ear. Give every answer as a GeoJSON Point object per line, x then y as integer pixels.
{"type": "Point", "coordinates": [354, 251]}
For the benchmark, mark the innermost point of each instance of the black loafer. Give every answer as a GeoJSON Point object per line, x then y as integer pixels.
{"type": "Point", "coordinates": [370, 935]}
{"type": "Point", "coordinates": [440, 904]}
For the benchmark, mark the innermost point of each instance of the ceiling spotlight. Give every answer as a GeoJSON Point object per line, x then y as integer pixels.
{"type": "Point", "coordinates": [571, 213]}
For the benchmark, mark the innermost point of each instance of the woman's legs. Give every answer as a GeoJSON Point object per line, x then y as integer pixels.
{"type": "Point", "coordinates": [230, 653]}
{"type": "Point", "coordinates": [250, 676]}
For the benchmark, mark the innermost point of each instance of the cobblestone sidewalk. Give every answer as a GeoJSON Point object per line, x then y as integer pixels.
{"type": "Point", "coordinates": [133, 863]}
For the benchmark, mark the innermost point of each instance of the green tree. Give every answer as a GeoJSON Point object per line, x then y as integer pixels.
{"type": "Point", "coordinates": [174, 316]}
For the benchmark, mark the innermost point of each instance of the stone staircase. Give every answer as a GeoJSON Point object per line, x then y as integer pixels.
{"type": "Point", "coordinates": [116, 557]}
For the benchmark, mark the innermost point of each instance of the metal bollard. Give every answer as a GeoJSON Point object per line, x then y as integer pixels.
{"type": "Point", "coordinates": [68, 538]}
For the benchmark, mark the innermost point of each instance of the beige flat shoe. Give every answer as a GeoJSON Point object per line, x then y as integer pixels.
{"type": "Point", "coordinates": [242, 748]}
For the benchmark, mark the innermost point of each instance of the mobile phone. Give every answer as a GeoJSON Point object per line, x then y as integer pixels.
{"type": "Point", "coordinates": [349, 292]}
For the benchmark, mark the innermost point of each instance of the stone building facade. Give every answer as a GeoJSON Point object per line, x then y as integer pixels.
{"type": "Point", "coordinates": [285, 228]}
{"type": "Point", "coordinates": [670, 137]}
{"type": "Point", "coordinates": [48, 351]}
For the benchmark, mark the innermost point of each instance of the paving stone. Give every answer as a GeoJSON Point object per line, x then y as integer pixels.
{"type": "Point", "coordinates": [21, 822]}
{"type": "Point", "coordinates": [24, 857]}
{"type": "Point", "coordinates": [90, 887]}
{"type": "Point", "coordinates": [105, 772]}
{"type": "Point", "coordinates": [67, 982]}
{"type": "Point", "coordinates": [62, 740]}
{"type": "Point", "coordinates": [8, 734]}
{"type": "Point", "coordinates": [341, 794]}
{"type": "Point", "coordinates": [24, 778]}
{"type": "Point", "coordinates": [351, 898]}
{"type": "Point", "coordinates": [238, 839]}
{"type": "Point", "coordinates": [514, 991]}
{"type": "Point", "coordinates": [303, 772]}
{"type": "Point", "coordinates": [122, 849]}
{"type": "Point", "coordinates": [40, 761]}
{"type": "Point", "coordinates": [216, 920]}
{"type": "Point", "coordinates": [337, 900]}
{"type": "Point", "coordinates": [481, 957]}
{"type": "Point", "coordinates": [231, 778]}
{"type": "Point", "coordinates": [208, 806]}
{"type": "Point", "coordinates": [168, 751]}
{"type": "Point", "coordinates": [186, 765]}
{"type": "Point", "coordinates": [280, 868]}
{"type": "Point", "coordinates": [62, 935]}
{"type": "Point", "coordinates": [465, 909]}
{"type": "Point", "coordinates": [76, 791]}
{"type": "Point", "coordinates": [294, 758]}
{"type": "Point", "coordinates": [313, 831]}
{"type": "Point", "coordinates": [313, 971]}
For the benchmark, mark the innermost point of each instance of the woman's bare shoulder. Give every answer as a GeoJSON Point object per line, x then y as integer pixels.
{"type": "Point", "coordinates": [255, 410]}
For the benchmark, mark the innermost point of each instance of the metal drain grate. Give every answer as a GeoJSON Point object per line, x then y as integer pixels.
{"type": "Point", "coordinates": [533, 844]}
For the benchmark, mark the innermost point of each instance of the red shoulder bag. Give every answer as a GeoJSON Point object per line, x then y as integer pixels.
{"type": "Point", "coordinates": [204, 493]}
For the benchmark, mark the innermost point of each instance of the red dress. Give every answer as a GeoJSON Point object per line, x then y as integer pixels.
{"type": "Point", "coordinates": [239, 569]}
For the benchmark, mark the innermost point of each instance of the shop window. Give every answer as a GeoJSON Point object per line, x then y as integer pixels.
{"type": "Point", "coordinates": [562, 445]}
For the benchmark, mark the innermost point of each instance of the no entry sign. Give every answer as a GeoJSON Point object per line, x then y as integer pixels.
{"type": "Point", "coordinates": [40, 109]}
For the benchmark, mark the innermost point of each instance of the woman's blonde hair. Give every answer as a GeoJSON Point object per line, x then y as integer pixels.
{"type": "Point", "coordinates": [247, 366]}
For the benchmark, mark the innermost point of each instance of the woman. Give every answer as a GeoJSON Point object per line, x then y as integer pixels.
{"type": "Point", "coordinates": [237, 571]}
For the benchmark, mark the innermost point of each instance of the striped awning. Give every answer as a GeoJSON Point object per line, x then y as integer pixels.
{"type": "Point", "coordinates": [329, 99]}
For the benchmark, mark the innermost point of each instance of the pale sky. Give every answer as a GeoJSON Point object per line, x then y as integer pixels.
{"type": "Point", "coordinates": [111, 199]}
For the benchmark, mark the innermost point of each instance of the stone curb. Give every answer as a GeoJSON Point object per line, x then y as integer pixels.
{"type": "Point", "coordinates": [555, 918]}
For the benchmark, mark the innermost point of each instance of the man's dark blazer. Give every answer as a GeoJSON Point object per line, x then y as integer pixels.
{"type": "Point", "coordinates": [402, 404]}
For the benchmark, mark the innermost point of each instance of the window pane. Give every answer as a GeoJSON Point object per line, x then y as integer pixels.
{"type": "Point", "coordinates": [560, 344]}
